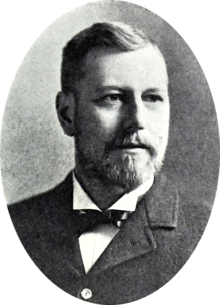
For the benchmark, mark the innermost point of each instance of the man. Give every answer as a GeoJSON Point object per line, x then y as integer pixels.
{"type": "Point", "coordinates": [112, 232]}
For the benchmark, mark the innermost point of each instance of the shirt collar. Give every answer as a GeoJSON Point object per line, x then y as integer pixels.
{"type": "Point", "coordinates": [81, 201]}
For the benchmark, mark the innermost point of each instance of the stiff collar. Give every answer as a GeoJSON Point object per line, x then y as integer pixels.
{"type": "Point", "coordinates": [128, 202]}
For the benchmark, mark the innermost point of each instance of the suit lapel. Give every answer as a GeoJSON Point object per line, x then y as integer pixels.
{"type": "Point", "coordinates": [70, 249]}
{"type": "Point", "coordinates": [134, 239]}
{"type": "Point", "coordinates": [72, 255]}
{"type": "Point", "coordinates": [59, 239]}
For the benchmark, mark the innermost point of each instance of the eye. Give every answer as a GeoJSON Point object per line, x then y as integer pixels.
{"type": "Point", "coordinates": [109, 100]}
{"type": "Point", "coordinates": [152, 98]}
{"type": "Point", "coordinates": [112, 98]}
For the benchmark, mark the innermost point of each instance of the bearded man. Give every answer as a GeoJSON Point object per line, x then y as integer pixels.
{"type": "Point", "coordinates": [112, 232]}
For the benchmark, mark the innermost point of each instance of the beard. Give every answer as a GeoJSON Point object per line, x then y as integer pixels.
{"type": "Point", "coordinates": [129, 171]}
{"type": "Point", "coordinates": [118, 165]}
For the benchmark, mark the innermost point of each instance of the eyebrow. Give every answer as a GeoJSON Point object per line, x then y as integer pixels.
{"type": "Point", "coordinates": [153, 90]}
{"type": "Point", "coordinates": [105, 88]}
{"type": "Point", "coordinates": [116, 88]}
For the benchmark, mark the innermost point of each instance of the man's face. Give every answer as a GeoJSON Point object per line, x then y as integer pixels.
{"type": "Point", "coordinates": [122, 115]}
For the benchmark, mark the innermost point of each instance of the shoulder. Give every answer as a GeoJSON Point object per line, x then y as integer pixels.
{"type": "Point", "coordinates": [194, 215]}
{"type": "Point", "coordinates": [35, 211]}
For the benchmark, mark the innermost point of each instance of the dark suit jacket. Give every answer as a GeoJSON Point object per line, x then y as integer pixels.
{"type": "Point", "coordinates": [146, 253]}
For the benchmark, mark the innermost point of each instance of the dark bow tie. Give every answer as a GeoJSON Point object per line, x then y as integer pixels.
{"type": "Point", "coordinates": [89, 219]}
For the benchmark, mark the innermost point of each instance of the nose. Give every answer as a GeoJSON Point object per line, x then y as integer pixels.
{"type": "Point", "coordinates": [135, 118]}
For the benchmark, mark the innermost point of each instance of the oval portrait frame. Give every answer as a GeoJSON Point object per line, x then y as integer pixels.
{"type": "Point", "coordinates": [36, 155]}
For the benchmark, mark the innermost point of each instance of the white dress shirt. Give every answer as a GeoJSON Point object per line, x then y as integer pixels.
{"type": "Point", "coordinates": [92, 244]}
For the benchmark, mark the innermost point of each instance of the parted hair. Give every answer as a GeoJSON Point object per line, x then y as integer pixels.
{"type": "Point", "coordinates": [99, 35]}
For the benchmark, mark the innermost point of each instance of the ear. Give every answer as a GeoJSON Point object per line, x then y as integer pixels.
{"type": "Point", "coordinates": [65, 105]}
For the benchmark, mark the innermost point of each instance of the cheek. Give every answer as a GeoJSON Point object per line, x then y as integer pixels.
{"type": "Point", "coordinates": [97, 124]}
{"type": "Point", "coordinates": [164, 116]}
{"type": "Point", "coordinates": [107, 120]}
{"type": "Point", "coordinates": [163, 129]}
{"type": "Point", "coordinates": [160, 119]}
{"type": "Point", "coordinates": [159, 127]}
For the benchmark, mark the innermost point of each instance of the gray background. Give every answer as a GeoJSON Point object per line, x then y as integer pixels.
{"type": "Point", "coordinates": [35, 153]}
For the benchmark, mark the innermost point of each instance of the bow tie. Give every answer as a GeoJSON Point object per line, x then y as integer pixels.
{"type": "Point", "coordinates": [89, 219]}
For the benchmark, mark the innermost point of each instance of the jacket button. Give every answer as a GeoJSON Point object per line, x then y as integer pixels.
{"type": "Point", "coordinates": [86, 293]}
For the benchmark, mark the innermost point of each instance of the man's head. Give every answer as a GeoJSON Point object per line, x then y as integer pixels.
{"type": "Point", "coordinates": [115, 102]}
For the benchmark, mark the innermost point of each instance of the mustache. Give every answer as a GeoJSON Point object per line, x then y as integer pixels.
{"type": "Point", "coordinates": [132, 141]}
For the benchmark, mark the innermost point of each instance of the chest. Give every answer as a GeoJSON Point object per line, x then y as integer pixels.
{"type": "Point", "coordinates": [131, 279]}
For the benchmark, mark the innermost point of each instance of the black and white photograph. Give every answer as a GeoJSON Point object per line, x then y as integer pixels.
{"type": "Point", "coordinates": [110, 153]}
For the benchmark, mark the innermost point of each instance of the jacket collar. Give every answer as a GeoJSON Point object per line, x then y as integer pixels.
{"type": "Point", "coordinates": [162, 203]}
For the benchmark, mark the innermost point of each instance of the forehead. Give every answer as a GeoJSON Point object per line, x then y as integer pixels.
{"type": "Point", "coordinates": [137, 67]}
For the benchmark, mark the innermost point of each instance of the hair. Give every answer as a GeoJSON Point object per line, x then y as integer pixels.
{"type": "Point", "coordinates": [100, 35]}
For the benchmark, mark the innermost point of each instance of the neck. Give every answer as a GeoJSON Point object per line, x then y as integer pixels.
{"type": "Point", "coordinates": [101, 191]}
